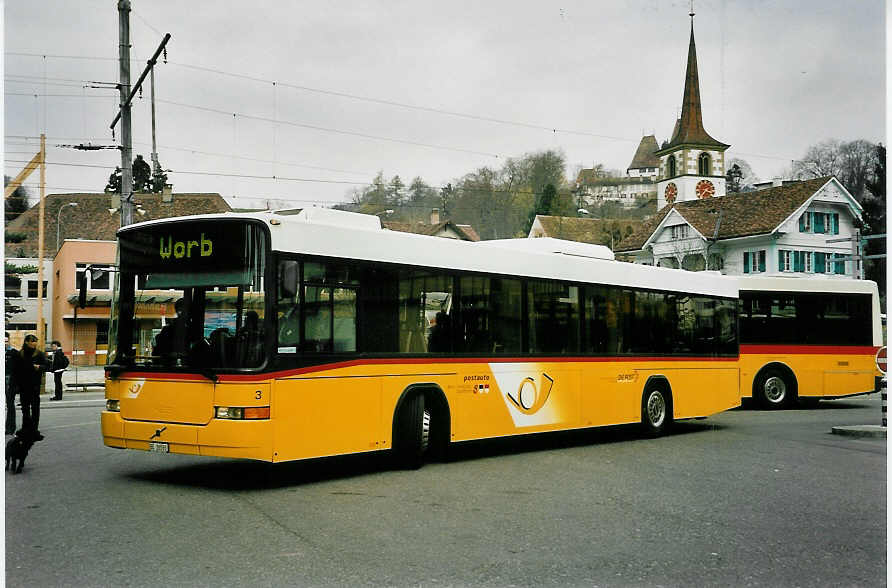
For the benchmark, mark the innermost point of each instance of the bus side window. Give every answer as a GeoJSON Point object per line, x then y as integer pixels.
{"type": "Point", "coordinates": [287, 305]}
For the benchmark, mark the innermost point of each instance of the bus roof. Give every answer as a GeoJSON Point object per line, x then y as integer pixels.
{"type": "Point", "coordinates": [806, 284]}
{"type": "Point", "coordinates": [349, 235]}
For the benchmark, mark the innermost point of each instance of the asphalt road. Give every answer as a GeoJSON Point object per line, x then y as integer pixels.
{"type": "Point", "coordinates": [746, 498]}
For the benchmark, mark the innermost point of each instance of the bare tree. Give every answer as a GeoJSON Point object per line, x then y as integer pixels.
{"type": "Point", "coordinates": [853, 163]}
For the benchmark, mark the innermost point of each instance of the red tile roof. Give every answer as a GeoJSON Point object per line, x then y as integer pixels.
{"type": "Point", "coordinates": [584, 230]}
{"type": "Point", "coordinates": [742, 214]}
{"type": "Point", "coordinates": [645, 154]}
{"type": "Point", "coordinates": [465, 232]}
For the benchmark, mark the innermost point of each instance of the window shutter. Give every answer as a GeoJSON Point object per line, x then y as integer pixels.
{"type": "Point", "coordinates": [802, 222]}
{"type": "Point", "coordinates": [798, 263]}
{"type": "Point", "coordinates": [820, 263]}
{"type": "Point", "coordinates": [835, 223]}
{"type": "Point", "coordinates": [780, 260]}
{"type": "Point", "coordinates": [819, 223]}
{"type": "Point", "coordinates": [840, 265]}
{"type": "Point", "coordinates": [746, 262]}
{"type": "Point", "coordinates": [762, 260]}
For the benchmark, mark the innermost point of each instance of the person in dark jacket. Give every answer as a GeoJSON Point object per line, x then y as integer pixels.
{"type": "Point", "coordinates": [59, 363]}
{"type": "Point", "coordinates": [30, 367]}
{"type": "Point", "coordinates": [12, 355]}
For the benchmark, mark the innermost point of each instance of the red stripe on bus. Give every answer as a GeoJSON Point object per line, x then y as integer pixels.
{"type": "Point", "coordinates": [407, 360]}
{"type": "Point", "coordinates": [441, 360]}
{"type": "Point", "coordinates": [808, 349]}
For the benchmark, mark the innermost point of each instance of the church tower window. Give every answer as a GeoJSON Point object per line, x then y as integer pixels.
{"type": "Point", "coordinates": [670, 166]}
{"type": "Point", "coordinates": [704, 167]}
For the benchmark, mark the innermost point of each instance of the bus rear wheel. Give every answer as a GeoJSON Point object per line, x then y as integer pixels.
{"type": "Point", "coordinates": [774, 390]}
{"type": "Point", "coordinates": [656, 410]}
{"type": "Point", "coordinates": [412, 430]}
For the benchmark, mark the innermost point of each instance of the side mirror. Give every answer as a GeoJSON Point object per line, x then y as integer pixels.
{"type": "Point", "coordinates": [288, 274]}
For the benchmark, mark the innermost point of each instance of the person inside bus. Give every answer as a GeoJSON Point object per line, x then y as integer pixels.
{"type": "Point", "coordinates": [250, 340]}
{"type": "Point", "coordinates": [171, 341]}
{"type": "Point", "coordinates": [440, 338]}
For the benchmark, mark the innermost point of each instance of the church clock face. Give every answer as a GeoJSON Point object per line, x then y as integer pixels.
{"type": "Point", "coordinates": [705, 189]}
{"type": "Point", "coordinates": [671, 192]}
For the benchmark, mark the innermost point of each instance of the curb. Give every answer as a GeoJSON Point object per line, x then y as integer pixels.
{"type": "Point", "coordinates": [875, 431]}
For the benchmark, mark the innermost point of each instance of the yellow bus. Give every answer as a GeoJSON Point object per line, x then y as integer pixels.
{"type": "Point", "coordinates": [316, 332]}
{"type": "Point", "coordinates": [807, 338]}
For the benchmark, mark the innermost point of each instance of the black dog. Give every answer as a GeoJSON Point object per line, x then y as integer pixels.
{"type": "Point", "coordinates": [17, 450]}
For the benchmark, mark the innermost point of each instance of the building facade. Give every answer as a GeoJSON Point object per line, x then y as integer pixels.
{"type": "Point", "coordinates": [801, 229]}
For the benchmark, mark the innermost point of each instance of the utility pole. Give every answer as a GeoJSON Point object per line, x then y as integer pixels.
{"type": "Point", "coordinates": [41, 323]}
{"type": "Point", "coordinates": [124, 88]}
{"type": "Point", "coordinates": [124, 111]}
{"type": "Point", "coordinates": [155, 165]}
{"type": "Point", "coordinates": [857, 257]}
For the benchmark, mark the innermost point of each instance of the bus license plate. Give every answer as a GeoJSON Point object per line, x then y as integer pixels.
{"type": "Point", "coordinates": [159, 447]}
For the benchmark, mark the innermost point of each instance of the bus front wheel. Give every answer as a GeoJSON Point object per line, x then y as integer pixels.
{"type": "Point", "coordinates": [656, 410]}
{"type": "Point", "coordinates": [774, 389]}
{"type": "Point", "coordinates": [412, 433]}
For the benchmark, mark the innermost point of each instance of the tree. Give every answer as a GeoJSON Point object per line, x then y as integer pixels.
{"type": "Point", "coordinates": [544, 168]}
{"type": "Point", "coordinates": [144, 178]}
{"type": "Point", "coordinates": [420, 200]}
{"type": "Point", "coordinates": [874, 219]}
{"type": "Point", "coordinates": [395, 192]}
{"type": "Point", "coordinates": [142, 175]}
{"type": "Point", "coordinates": [114, 182]}
{"type": "Point", "coordinates": [544, 204]}
{"type": "Point", "coordinates": [858, 161]}
{"type": "Point", "coordinates": [739, 175]}
{"type": "Point", "coordinates": [853, 163]}
{"type": "Point", "coordinates": [477, 202]}
{"type": "Point", "coordinates": [819, 160]}
{"type": "Point", "coordinates": [447, 195]}
{"type": "Point", "coordinates": [17, 203]}
{"type": "Point", "coordinates": [159, 179]}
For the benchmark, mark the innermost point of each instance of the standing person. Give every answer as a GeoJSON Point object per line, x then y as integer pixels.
{"type": "Point", "coordinates": [12, 355]}
{"type": "Point", "coordinates": [30, 367]}
{"type": "Point", "coordinates": [59, 364]}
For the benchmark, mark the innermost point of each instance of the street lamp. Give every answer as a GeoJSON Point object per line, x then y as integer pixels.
{"type": "Point", "coordinates": [59, 221]}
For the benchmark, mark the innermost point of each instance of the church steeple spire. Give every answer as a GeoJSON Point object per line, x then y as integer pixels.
{"type": "Point", "coordinates": [692, 163]}
{"type": "Point", "coordinates": [689, 130]}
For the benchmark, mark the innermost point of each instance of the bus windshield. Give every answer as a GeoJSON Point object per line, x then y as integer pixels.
{"type": "Point", "coordinates": [191, 295]}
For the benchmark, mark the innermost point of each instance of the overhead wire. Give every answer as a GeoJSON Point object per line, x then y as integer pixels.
{"type": "Point", "coordinates": [278, 178]}
{"type": "Point", "coordinates": [553, 129]}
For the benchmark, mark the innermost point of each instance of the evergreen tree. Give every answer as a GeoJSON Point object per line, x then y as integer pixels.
{"type": "Point", "coordinates": [17, 203]}
{"type": "Point", "coordinates": [544, 204]}
{"type": "Point", "coordinates": [874, 218]}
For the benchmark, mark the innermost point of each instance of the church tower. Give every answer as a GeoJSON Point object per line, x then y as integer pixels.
{"type": "Point", "coordinates": [692, 164]}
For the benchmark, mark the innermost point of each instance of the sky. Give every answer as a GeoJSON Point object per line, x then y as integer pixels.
{"type": "Point", "coordinates": [297, 104]}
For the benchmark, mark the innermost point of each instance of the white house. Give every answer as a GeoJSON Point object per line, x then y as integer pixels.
{"type": "Point", "coordinates": [20, 290]}
{"type": "Point", "coordinates": [791, 229]}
